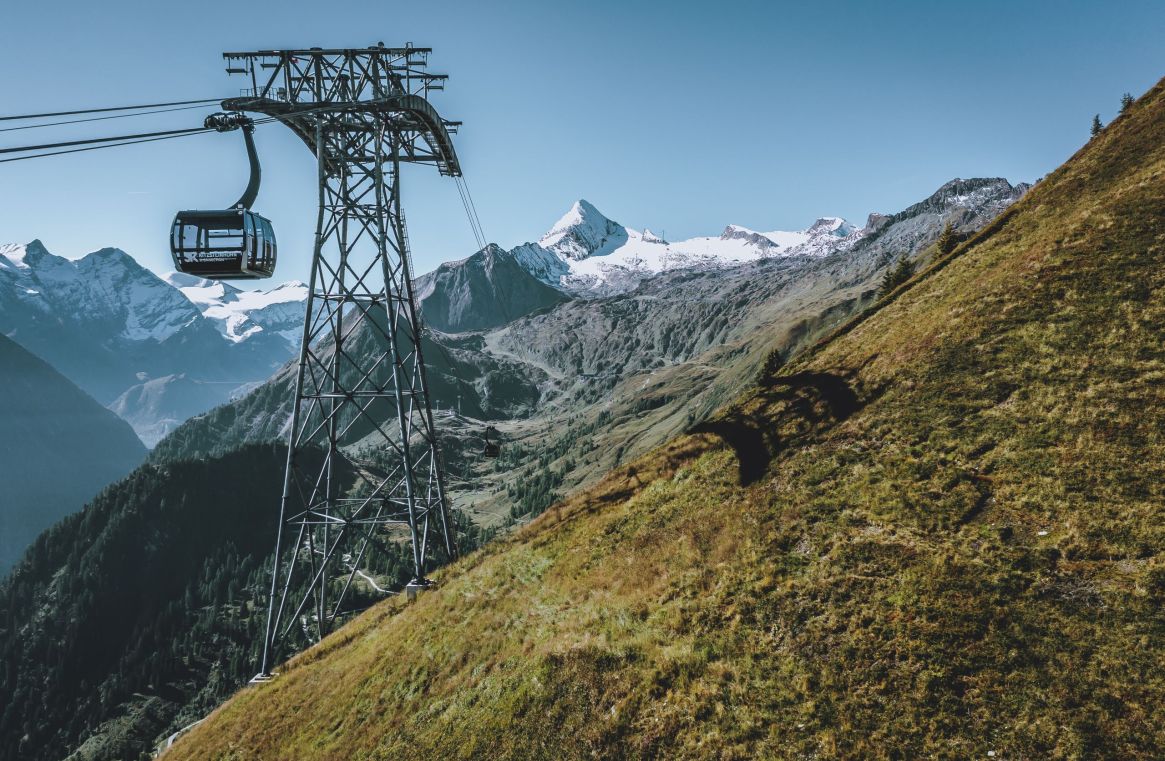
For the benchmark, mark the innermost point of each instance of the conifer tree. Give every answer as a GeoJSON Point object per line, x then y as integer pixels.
{"type": "Point", "coordinates": [774, 361]}
{"type": "Point", "coordinates": [947, 240]}
{"type": "Point", "coordinates": [1096, 125]}
{"type": "Point", "coordinates": [1126, 101]}
{"type": "Point", "coordinates": [896, 276]}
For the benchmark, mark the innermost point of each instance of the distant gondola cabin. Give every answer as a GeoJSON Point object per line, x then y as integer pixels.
{"type": "Point", "coordinates": [492, 446]}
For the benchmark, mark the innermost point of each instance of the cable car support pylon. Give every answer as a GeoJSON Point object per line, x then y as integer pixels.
{"type": "Point", "coordinates": [363, 469]}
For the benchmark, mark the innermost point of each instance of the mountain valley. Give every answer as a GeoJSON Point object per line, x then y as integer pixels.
{"type": "Point", "coordinates": [625, 371]}
{"type": "Point", "coordinates": [581, 372]}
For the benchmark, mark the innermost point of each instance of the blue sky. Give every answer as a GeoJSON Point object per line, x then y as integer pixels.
{"type": "Point", "coordinates": [679, 116]}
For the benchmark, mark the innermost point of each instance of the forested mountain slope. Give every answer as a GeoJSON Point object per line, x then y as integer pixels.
{"type": "Point", "coordinates": [58, 446]}
{"type": "Point", "coordinates": [112, 621]}
{"type": "Point", "coordinates": [939, 534]}
{"type": "Point", "coordinates": [136, 616]}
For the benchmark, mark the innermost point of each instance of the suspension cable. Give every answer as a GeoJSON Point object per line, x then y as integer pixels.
{"type": "Point", "coordinates": [91, 141]}
{"type": "Point", "coordinates": [466, 203]}
{"type": "Point", "coordinates": [103, 118]}
{"type": "Point", "coordinates": [22, 117]}
{"type": "Point", "coordinates": [472, 206]}
{"type": "Point", "coordinates": [105, 145]}
{"type": "Point", "coordinates": [479, 235]}
{"type": "Point", "coordinates": [118, 142]}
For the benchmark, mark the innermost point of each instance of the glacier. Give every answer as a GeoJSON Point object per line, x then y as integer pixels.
{"type": "Point", "coordinates": [240, 314]}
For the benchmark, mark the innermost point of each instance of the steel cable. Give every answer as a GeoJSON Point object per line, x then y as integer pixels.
{"type": "Point", "coordinates": [91, 141]}
{"type": "Point", "coordinates": [22, 117]}
{"type": "Point", "coordinates": [103, 118]}
{"type": "Point", "coordinates": [106, 145]}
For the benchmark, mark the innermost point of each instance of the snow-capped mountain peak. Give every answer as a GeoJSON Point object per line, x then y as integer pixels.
{"type": "Point", "coordinates": [583, 232]}
{"type": "Point", "coordinates": [818, 239]}
{"type": "Point", "coordinates": [185, 280]}
{"type": "Point", "coordinates": [26, 256]}
{"type": "Point", "coordinates": [587, 253]}
{"type": "Point", "coordinates": [105, 287]}
{"type": "Point", "coordinates": [823, 237]}
{"type": "Point", "coordinates": [201, 292]}
{"type": "Point", "coordinates": [832, 225]}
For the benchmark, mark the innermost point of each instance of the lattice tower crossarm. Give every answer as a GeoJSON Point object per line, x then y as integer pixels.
{"type": "Point", "coordinates": [363, 466]}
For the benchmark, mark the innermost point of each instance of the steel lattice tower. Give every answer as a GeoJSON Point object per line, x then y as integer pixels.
{"type": "Point", "coordinates": [363, 467]}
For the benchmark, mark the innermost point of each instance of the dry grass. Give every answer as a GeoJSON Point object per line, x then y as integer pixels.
{"type": "Point", "coordinates": [960, 548]}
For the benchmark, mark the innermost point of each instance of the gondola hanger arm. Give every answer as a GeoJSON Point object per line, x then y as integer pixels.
{"type": "Point", "coordinates": [224, 122]}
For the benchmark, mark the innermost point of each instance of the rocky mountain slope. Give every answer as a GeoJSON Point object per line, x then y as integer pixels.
{"type": "Point", "coordinates": [935, 535]}
{"type": "Point", "coordinates": [609, 378]}
{"type": "Point", "coordinates": [111, 326]}
{"type": "Point", "coordinates": [673, 317]}
{"type": "Point", "coordinates": [58, 447]}
{"type": "Point", "coordinates": [482, 291]}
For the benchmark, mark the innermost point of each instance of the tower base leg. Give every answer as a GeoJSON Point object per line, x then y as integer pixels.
{"type": "Point", "coordinates": [415, 587]}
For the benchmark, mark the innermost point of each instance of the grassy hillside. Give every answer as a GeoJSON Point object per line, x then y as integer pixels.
{"type": "Point", "coordinates": [940, 533]}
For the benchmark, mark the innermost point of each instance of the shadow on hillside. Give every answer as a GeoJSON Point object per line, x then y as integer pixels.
{"type": "Point", "coordinates": [811, 399]}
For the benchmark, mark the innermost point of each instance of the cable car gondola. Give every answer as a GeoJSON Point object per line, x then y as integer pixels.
{"type": "Point", "coordinates": [492, 448]}
{"type": "Point", "coordinates": [227, 244]}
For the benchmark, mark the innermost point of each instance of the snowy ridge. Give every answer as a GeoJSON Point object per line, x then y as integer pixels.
{"type": "Point", "coordinates": [540, 263]}
{"type": "Point", "coordinates": [156, 350]}
{"type": "Point", "coordinates": [587, 254]}
{"type": "Point", "coordinates": [12, 256]}
{"type": "Point", "coordinates": [240, 314]}
{"type": "Point", "coordinates": [105, 287]}
{"type": "Point", "coordinates": [111, 288]}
